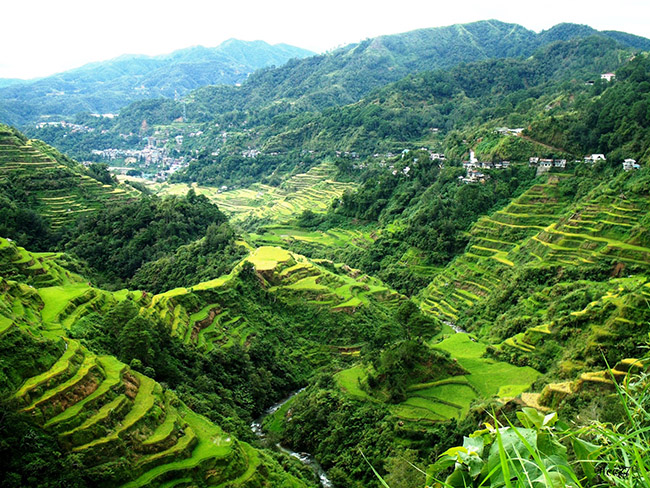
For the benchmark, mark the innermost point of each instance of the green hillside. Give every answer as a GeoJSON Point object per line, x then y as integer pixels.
{"type": "Point", "coordinates": [313, 190]}
{"type": "Point", "coordinates": [127, 430]}
{"type": "Point", "coordinates": [287, 112]}
{"type": "Point", "coordinates": [364, 284]}
{"type": "Point", "coordinates": [424, 109]}
{"type": "Point", "coordinates": [56, 187]}
{"type": "Point", "coordinates": [121, 425]}
{"type": "Point", "coordinates": [107, 86]}
{"type": "Point", "coordinates": [562, 282]}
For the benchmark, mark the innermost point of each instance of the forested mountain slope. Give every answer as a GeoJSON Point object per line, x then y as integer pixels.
{"type": "Point", "coordinates": [433, 294]}
{"type": "Point", "coordinates": [347, 74]}
{"type": "Point", "coordinates": [42, 190]}
{"type": "Point", "coordinates": [508, 92]}
{"type": "Point", "coordinates": [96, 421]}
{"type": "Point", "coordinates": [271, 115]}
{"type": "Point", "coordinates": [107, 86]}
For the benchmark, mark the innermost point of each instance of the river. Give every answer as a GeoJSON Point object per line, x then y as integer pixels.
{"type": "Point", "coordinates": [458, 329]}
{"type": "Point", "coordinates": [304, 457]}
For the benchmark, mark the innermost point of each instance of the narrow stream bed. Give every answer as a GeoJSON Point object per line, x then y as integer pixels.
{"type": "Point", "coordinates": [458, 329]}
{"type": "Point", "coordinates": [304, 457]}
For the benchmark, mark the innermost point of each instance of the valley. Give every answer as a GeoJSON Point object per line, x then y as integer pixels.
{"type": "Point", "coordinates": [370, 268]}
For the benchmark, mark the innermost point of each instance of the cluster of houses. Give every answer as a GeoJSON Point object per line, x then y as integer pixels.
{"type": "Point", "coordinates": [473, 167]}
{"type": "Point", "coordinates": [544, 165]}
{"type": "Point", "coordinates": [73, 128]}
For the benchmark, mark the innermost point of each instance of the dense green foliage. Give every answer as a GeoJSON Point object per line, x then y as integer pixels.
{"type": "Point", "coordinates": [340, 431]}
{"type": "Point", "coordinates": [19, 220]}
{"type": "Point", "coordinates": [286, 111]}
{"type": "Point", "coordinates": [432, 210]}
{"type": "Point", "coordinates": [546, 271]}
{"type": "Point", "coordinates": [30, 457]}
{"type": "Point", "coordinates": [407, 363]}
{"type": "Point", "coordinates": [616, 122]}
{"type": "Point", "coordinates": [506, 92]}
{"type": "Point", "coordinates": [192, 263]}
{"type": "Point", "coordinates": [544, 450]}
{"type": "Point", "coordinates": [118, 240]}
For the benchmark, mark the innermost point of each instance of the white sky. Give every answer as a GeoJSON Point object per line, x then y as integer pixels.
{"type": "Point", "coordinates": [41, 37]}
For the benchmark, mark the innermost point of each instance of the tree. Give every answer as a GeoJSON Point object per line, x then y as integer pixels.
{"type": "Point", "coordinates": [135, 340]}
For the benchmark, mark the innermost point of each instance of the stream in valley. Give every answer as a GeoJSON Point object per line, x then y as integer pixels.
{"type": "Point", "coordinates": [304, 457]}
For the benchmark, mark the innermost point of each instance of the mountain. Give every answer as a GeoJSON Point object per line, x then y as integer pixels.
{"type": "Point", "coordinates": [347, 74]}
{"type": "Point", "coordinates": [421, 109]}
{"type": "Point", "coordinates": [395, 297]}
{"type": "Point", "coordinates": [8, 81]}
{"type": "Point", "coordinates": [566, 31]}
{"type": "Point", "coordinates": [105, 87]}
{"type": "Point", "coordinates": [42, 191]}
{"type": "Point", "coordinates": [98, 421]}
{"type": "Point", "coordinates": [277, 111]}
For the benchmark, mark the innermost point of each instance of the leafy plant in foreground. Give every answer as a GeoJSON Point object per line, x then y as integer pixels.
{"type": "Point", "coordinates": [536, 454]}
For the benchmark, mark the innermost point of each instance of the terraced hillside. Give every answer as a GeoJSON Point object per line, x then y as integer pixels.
{"type": "Point", "coordinates": [608, 224]}
{"type": "Point", "coordinates": [558, 285]}
{"type": "Point", "coordinates": [210, 314]}
{"type": "Point", "coordinates": [284, 235]}
{"type": "Point", "coordinates": [313, 190]}
{"type": "Point", "coordinates": [38, 269]}
{"type": "Point", "coordinates": [59, 188]}
{"type": "Point", "coordinates": [450, 398]}
{"type": "Point", "coordinates": [207, 314]}
{"type": "Point", "coordinates": [128, 430]}
{"type": "Point", "coordinates": [495, 241]}
{"type": "Point", "coordinates": [125, 428]}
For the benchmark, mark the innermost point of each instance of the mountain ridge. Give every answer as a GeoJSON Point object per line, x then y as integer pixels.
{"type": "Point", "coordinates": [105, 86]}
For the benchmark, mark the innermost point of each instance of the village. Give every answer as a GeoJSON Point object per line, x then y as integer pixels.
{"type": "Point", "coordinates": [154, 161]}
{"type": "Point", "coordinates": [474, 174]}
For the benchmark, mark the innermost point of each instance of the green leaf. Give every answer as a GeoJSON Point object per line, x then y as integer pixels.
{"type": "Point", "coordinates": [474, 445]}
{"type": "Point", "coordinates": [549, 446]}
{"type": "Point", "coordinates": [507, 455]}
{"type": "Point", "coordinates": [530, 418]}
{"type": "Point", "coordinates": [586, 452]}
{"type": "Point", "coordinates": [440, 465]}
{"type": "Point", "coordinates": [475, 465]}
{"type": "Point", "coordinates": [381, 480]}
{"type": "Point", "coordinates": [550, 419]}
{"type": "Point", "coordinates": [455, 451]}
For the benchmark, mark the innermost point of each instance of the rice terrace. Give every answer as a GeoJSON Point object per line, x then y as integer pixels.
{"type": "Point", "coordinates": [419, 259]}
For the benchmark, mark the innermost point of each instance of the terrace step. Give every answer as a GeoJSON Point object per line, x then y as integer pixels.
{"type": "Point", "coordinates": [85, 380]}
{"type": "Point", "coordinates": [98, 424]}
{"type": "Point", "coordinates": [63, 368]}
{"type": "Point", "coordinates": [111, 386]}
{"type": "Point", "coordinates": [140, 408]}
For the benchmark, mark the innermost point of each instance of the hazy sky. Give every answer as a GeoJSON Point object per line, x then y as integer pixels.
{"type": "Point", "coordinates": [41, 37]}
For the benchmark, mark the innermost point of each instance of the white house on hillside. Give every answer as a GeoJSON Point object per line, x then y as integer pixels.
{"type": "Point", "coordinates": [595, 157]}
{"type": "Point", "coordinates": [630, 164]}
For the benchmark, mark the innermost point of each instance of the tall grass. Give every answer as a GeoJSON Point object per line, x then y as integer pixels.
{"type": "Point", "coordinates": [545, 452]}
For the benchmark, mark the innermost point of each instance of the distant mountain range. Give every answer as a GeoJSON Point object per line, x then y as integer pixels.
{"type": "Point", "coordinates": [347, 74]}
{"type": "Point", "coordinates": [107, 86]}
